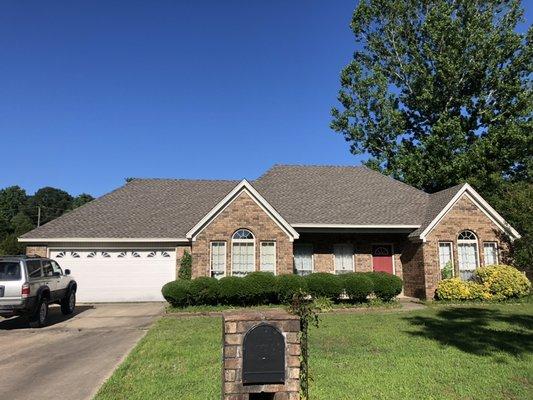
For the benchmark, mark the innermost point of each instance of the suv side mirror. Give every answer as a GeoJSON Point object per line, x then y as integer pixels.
{"type": "Point", "coordinates": [67, 272]}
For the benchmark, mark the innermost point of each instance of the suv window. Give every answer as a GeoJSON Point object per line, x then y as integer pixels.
{"type": "Point", "coordinates": [34, 268]}
{"type": "Point", "coordinates": [9, 271]}
{"type": "Point", "coordinates": [47, 268]}
{"type": "Point", "coordinates": [56, 267]}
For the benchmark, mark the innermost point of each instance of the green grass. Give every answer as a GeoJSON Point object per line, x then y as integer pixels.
{"type": "Point", "coordinates": [443, 352]}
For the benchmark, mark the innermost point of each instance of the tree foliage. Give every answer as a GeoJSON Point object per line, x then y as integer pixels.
{"type": "Point", "coordinates": [439, 92]}
{"type": "Point", "coordinates": [18, 212]}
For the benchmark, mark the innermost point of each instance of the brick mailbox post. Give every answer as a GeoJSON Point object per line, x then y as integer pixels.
{"type": "Point", "coordinates": [261, 356]}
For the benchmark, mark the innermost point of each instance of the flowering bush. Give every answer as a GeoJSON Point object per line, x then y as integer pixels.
{"type": "Point", "coordinates": [502, 281]}
{"type": "Point", "coordinates": [456, 289]}
{"type": "Point", "coordinates": [495, 282]}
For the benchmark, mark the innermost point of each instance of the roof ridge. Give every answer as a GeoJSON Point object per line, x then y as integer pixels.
{"type": "Point", "coordinates": [397, 180]}
{"type": "Point", "coordinates": [184, 180]}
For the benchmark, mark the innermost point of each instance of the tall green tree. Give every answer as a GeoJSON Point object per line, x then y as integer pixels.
{"type": "Point", "coordinates": [439, 91]}
{"type": "Point", "coordinates": [52, 202]}
{"type": "Point", "coordinates": [80, 200]}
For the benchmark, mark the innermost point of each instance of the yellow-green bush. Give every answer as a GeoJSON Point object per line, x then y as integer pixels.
{"type": "Point", "coordinates": [456, 289]}
{"type": "Point", "coordinates": [502, 281]}
{"type": "Point", "coordinates": [495, 282]}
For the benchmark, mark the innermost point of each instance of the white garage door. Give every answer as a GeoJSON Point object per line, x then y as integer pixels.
{"type": "Point", "coordinates": [118, 275]}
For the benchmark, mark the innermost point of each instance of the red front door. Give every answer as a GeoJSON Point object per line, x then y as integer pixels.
{"type": "Point", "coordinates": [382, 258]}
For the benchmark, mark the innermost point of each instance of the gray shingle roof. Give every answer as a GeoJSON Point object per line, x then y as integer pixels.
{"type": "Point", "coordinates": [340, 195]}
{"type": "Point", "coordinates": [437, 201]}
{"type": "Point", "coordinates": [143, 208]}
{"type": "Point", "coordinates": [167, 208]}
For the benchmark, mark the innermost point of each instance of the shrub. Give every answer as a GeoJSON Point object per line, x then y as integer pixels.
{"type": "Point", "coordinates": [203, 290]}
{"type": "Point", "coordinates": [323, 304]}
{"type": "Point", "coordinates": [177, 293]}
{"type": "Point", "coordinates": [456, 289]}
{"type": "Point", "coordinates": [357, 286]}
{"type": "Point", "coordinates": [447, 271]}
{"type": "Point", "coordinates": [233, 290]}
{"type": "Point", "coordinates": [502, 281]}
{"type": "Point", "coordinates": [322, 284]}
{"type": "Point", "coordinates": [385, 286]}
{"type": "Point", "coordinates": [289, 285]}
{"type": "Point", "coordinates": [261, 287]}
{"type": "Point", "coordinates": [185, 271]}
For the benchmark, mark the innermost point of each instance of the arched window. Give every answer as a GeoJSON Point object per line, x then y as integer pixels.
{"type": "Point", "coordinates": [242, 252]}
{"type": "Point", "coordinates": [467, 252]}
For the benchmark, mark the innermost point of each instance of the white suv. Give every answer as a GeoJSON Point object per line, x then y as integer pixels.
{"type": "Point", "coordinates": [29, 284]}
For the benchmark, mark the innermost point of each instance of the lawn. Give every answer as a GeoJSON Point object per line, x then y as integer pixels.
{"type": "Point", "coordinates": [443, 352]}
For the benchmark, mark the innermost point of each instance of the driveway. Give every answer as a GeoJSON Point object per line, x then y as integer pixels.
{"type": "Point", "coordinates": [72, 357]}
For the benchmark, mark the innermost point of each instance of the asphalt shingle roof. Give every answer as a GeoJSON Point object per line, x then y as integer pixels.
{"type": "Point", "coordinates": [169, 208]}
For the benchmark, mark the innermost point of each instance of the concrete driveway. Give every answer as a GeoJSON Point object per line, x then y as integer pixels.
{"type": "Point", "coordinates": [72, 357]}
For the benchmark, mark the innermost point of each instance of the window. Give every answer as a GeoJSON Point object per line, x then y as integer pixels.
{"type": "Point", "coordinates": [303, 259]}
{"type": "Point", "coordinates": [218, 259]}
{"type": "Point", "coordinates": [47, 268]}
{"type": "Point", "coordinates": [268, 257]}
{"type": "Point", "coordinates": [490, 253]}
{"type": "Point", "coordinates": [446, 260]}
{"type": "Point", "coordinates": [56, 267]}
{"type": "Point", "coordinates": [34, 268]}
{"type": "Point", "coordinates": [467, 253]}
{"type": "Point", "coordinates": [343, 254]}
{"type": "Point", "coordinates": [9, 271]}
{"type": "Point", "coordinates": [242, 253]}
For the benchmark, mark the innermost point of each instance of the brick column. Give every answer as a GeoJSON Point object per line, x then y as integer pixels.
{"type": "Point", "coordinates": [234, 328]}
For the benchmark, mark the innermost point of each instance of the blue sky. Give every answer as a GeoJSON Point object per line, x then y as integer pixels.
{"type": "Point", "coordinates": [94, 92]}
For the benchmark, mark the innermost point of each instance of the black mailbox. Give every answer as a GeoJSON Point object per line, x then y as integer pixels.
{"type": "Point", "coordinates": [263, 356]}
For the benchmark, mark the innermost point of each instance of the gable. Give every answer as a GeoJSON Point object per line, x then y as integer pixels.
{"type": "Point", "coordinates": [468, 207]}
{"type": "Point", "coordinates": [242, 200]}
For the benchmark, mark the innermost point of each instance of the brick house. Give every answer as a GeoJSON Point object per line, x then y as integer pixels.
{"type": "Point", "coordinates": [293, 219]}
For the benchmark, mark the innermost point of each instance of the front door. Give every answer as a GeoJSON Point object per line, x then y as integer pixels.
{"type": "Point", "coordinates": [382, 258]}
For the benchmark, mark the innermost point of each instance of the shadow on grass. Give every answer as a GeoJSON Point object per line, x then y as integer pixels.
{"type": "Point", "coordinates": [478, 331]}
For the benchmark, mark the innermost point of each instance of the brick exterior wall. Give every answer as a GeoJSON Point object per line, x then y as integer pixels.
{"type": "Point", "coordinates": [464, 215]}
{"type": "Point", "coordinates": [244, 213]}
{"type": "Point", "coordinates": [323, 249]}
{"type": "Point", "coordinates": [41, 251]}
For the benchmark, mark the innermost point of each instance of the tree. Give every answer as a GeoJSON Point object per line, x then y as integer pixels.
{"type": "Point", "coordinates": [12, 200]}
{"type": "Point", "coordinates": [21, 224]}
{"type": "Point", "coordinates": [439, 92]}
{"type": "Point", "coordinates": [81, 200]}
{"type": "Point", "coordinates": [53, 202]}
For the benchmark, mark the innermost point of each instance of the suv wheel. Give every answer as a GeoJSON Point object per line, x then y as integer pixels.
{"type": "Point", "coordinates": [68, 304]}
{"type": "Point", "coordinates": [38, 320]}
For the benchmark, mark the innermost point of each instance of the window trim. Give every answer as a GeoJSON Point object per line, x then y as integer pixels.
{"type": "Point", "coordinates": [468, 241]}
{"type": "Point", "coordinates": [233, 241]}
{"type": "Point", "coordinates": [496, 252]}
{"type": "Point", "coordinates": [452, 258]}
{"type": "Point", "coordinates": [353, 257]}
{"type": "Point", "coordinates": [211, 257]}
{"type": "Point", "coordinates": [312, 257]}
{"type": "Point", "coordinates": [275, 272]}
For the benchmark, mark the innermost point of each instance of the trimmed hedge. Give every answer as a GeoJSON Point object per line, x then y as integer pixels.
{"type": "Point", "coordinates": [385, 286]}
{"type": "Point", "coordinates": [322, 284]}
{"type": "Point", "coordinates": [357, 286]}
{"type": "Point", "coordinates": [203, 290]}
{"type": "Point", "coordinates": [289, 285]}
{"type": "Point", "coordinates": [177, 293]}
{"type": "Point", "coordinates": [265, 288]}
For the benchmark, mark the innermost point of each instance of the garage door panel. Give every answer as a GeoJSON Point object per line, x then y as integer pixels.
{"type": "Point", "coordinates": [119, 275]}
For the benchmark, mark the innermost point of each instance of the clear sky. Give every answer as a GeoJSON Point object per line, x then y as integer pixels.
{"type": "Point", "coordinates": [92, 92]}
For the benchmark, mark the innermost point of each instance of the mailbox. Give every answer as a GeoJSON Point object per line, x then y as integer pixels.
{"type": "Point", "coordinates": [263, 356]}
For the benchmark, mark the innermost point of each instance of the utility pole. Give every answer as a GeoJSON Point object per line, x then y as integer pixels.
{"type": "Point", "coordinates": [38, 216]}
